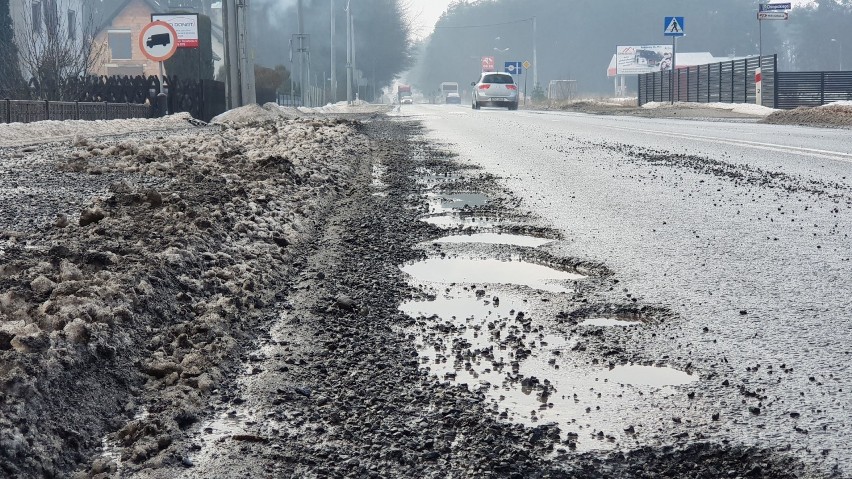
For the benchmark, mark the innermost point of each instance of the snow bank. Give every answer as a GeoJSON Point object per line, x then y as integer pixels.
{"type": "Point", "coordinates": [254, 113]}
{"type": "Point", "coordinates": [358, 106]}
{"type": "Point", "coordinates": [18, 134]}
{"type": "Point", "coordinates": [838, 114]}
{"type": "Point", "coordinates": [741, 108]}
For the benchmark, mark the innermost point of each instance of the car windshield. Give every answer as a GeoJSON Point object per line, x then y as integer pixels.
{"type": "Point", "coordinates": [504, 79]}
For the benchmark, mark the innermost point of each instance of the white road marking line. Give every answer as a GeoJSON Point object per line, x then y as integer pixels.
{"type": "Point", "coordinates": [796, 150]}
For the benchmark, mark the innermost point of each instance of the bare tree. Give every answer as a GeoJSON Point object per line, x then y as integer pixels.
{"type": "Point", "coordinates": [58, 48]}
{"type": "Point", "coordinates": [10, 74]}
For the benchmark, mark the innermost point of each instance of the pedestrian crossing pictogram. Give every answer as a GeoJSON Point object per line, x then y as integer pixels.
{"type": "Point", "coordinates": [674, 27]}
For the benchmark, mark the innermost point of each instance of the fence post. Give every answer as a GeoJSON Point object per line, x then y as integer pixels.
{"type": "Point", "coordinates": [46, 109]}
{"type": "Point", "coordinates": [76, 110]}
{"type": "Point", "coordinates": [775, 80]}
{"type": "Point", "coordinates": [709, 73]}
{"type": "Point", "coordinates": [8, 110]}
{"type": "Point", "coordinates": [822, 88]}
{"type": "Point", "coordinates": [733, 67]}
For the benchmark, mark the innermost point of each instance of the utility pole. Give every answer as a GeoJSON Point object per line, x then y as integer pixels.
{"type": "Point", "coordinates": [535, 54]}
{"type": "Point", "coordinates": [333, 92]}
{"type": "Point", "coordinates": [348, 52]}
{"type": "Point", "coordinates": [355, 78]}
{"type": "Point", "coordinates": [239, 61]}
{"type": "Point", "coordinates": [302, 73]}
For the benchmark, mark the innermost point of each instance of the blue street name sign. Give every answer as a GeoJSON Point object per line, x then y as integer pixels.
{"type": "Point", "coordinates": [674, 27]}
{"type": "Point", "coordinates": [774, 7]}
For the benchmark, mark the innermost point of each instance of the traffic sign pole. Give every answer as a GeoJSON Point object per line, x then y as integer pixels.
{"type": "Point", "coordinates": [674, 68]}
{"type": "Point", "coordinates": [673, 27]}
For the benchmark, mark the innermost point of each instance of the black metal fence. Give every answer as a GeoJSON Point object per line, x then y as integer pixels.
{"type": "Point", "coordinates": [797, 89]}
{"type": "Point", "coordinates": [107, 98]}
{"type": "Point", "coordinates": [723, 82]}
{"type": "Point", "coordinates": [27, 111]}
{"type": "Point", "coordinates": [733, 82]}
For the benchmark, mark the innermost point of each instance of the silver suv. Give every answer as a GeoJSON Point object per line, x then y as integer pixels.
{"type": "Point", "coordinates": [495, 89]}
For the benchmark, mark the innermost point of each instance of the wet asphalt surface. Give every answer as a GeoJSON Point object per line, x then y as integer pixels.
{"type": "Point", "coordinates": [739, 230]}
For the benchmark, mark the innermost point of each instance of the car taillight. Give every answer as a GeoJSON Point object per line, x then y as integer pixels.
{"type": "Point", "coordinates": [484, 87]}
{"type": "Point", "coordinates": [511, 87]}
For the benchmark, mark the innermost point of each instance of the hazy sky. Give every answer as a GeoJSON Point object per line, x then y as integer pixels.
{"type": "Point", "coordinates": [427, 12]}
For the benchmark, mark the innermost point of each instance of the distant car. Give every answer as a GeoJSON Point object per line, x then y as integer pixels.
{"type": "Point", "coordinates": [407, 100]}
{"type": "Point", "coordinates": [453, 98]}
{"type": "Point", "coordinates": [495, 89]}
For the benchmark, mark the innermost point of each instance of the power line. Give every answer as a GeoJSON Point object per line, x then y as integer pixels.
{"type": "Point", "coordinates": [486, 25]}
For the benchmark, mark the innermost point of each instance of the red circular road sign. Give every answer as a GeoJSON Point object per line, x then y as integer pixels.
{"type": "Point", "coordinates": [158, 41]}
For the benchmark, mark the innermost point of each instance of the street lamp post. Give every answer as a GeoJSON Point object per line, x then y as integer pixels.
{"type": "Point", "coordinates": [839, 53]}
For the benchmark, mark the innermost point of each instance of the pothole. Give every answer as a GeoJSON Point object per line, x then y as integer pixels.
{"type": "Point", "coordinates": [492, 271]}
{"type": "Point", "coordinates": [491, 341]}
{"type": "Point", "coordinates": [450, 221]}
{"type": "Point", "coordinates": [443, 202]}
{"type": "Point", "coordinates": [495, 238]}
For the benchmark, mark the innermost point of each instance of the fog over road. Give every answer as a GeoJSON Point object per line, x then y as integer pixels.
{"type": "Point", "coordinates": [741, 229]}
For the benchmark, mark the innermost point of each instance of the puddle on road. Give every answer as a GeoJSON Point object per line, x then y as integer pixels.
{"type": "Point", "coordinates": [443, 203]}
{"type": "Point", "coordinates": [493, 344]}
{"type": "Point", "coordinates": [492, 271]}
{"type": "Point", "coordinates": [495, 238]}
{"type": "Point", "coordinates": [608, 322]}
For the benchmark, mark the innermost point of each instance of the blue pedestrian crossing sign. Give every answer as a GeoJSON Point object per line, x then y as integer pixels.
{"type": "Point", "coordinates": [674, 27]}
{"type": "Point", "coordinates": [515, 68]}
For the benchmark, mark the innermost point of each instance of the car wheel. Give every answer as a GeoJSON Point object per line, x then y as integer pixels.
{"type": "Point", "coordinates": [475, 105]}
{"type": "Point", "coordinates": [513, 106]}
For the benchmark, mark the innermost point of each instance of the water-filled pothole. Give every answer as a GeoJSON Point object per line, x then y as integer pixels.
{"type": "Point", "coordinates": [442, 203]}
{"type": "Point", "coordinates": [495, 238]}
{"type": "Point", "coordinates": [492, 342]}
{"type": "Point", "coordinates": [492, 271]}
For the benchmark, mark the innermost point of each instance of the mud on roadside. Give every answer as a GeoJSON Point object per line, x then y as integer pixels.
{"type": "Point", "coordinates": [267, 292]}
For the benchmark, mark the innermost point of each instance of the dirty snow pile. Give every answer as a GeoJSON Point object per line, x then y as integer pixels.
{"type": "Point", "coordinates": [358, 106]}
{"type": "Point", "coordinates": [254, 113]}
{"type": "Point", "coordinates": [838, 114]}
{"type": "Point", "coordinates": [129, 306]}
{"type": "Point", "coordinates": [17, 134]}
{"type": "Point", "coordinates": [739, 108]}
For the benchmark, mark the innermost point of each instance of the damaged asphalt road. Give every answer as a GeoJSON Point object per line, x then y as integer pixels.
{"type": "Point", "coordinates": [226, 303]}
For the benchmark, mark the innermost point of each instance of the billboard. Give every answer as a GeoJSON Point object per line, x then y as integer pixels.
{"type": "Point", "coordinates": [185, 24]}
{"type": "Point", "coordinates": [634, 60]}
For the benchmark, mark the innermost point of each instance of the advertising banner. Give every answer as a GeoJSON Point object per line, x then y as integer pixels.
{"type": "Point", "coordinates": [185, 24]}
{"type": "Point", "coordinates": [636, 60]}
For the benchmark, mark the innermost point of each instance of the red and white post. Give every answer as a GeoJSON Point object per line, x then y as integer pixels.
{"type": "Point", "coordinates": [758, 86]}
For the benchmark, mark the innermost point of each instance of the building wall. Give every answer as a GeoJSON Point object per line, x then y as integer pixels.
{"type": "Point", "coordinates": [22, 23]}
{"type": "Point", "coordinates": [134, 17]}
